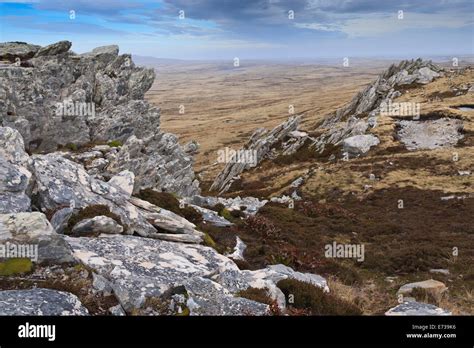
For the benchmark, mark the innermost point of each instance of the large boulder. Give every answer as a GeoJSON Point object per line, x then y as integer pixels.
{"type": "Point", "coordinates": [433, 286]}
{"type": "Point", "coordinates": [40, 302]}
{"type": "Point", "coordinates": [139, 268]}
{"type": "Point", "coordinates": [33, 229]}
{"type": "Point", "coordinates": [359, 144]}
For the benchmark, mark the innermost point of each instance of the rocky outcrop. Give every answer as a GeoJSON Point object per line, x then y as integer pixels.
{"type": "Point", "coordinates": [40, 302]}
{"type": "Point", "coordinates": [142, 268]}
{"type": "Point", "coordinates": [61, 183]}
{"type": "Point", "coordinates": [67, 100]}
{"type": "Point", "coordinates": [356, 117]}
{"type": "Point", "coordinates": [259, 146]}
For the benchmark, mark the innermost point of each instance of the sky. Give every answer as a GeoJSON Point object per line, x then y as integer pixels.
{"type": "Point", "coordinates": [248, 29]}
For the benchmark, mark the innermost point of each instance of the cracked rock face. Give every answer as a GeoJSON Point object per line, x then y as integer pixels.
{"type": "Point", "coordinates": [40, 302]}
{"type": "Point", "coordinates": [64, 99]}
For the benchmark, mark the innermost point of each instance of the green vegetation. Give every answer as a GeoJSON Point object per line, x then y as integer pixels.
{"type": "Point", "coordinates": [15, 266]}
{"type": "Point", "coordinates": [115, 143]}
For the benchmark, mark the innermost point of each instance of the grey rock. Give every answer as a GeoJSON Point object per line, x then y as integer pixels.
{"type": "Point", "coordinates": [359, 144]}
{"type": "Point", "coordinates": [138, 268]}
{"type": "Point", "coordinates": [40, 302]}
{"type": "Point", "coordinates": [61, 183]}
{"type": "Point", "coordinates": [34, 229]}
{"type": "Point", "coordinates": [440, 271]}
{"type": "Point", "coordinates": [239, 249]}
{"type": "Point", "coordinates": [95, 97]}
{"type": "Point", "coordinates": [11, 50]}
{"type": "Point", "coordinates": [416, 308]}
{"type": "Point", "coordinates": [60, 219]}
{"type": "Point", "coordinates": [101, 285]}
{"type": "Point", "coordinates": [430, 134]}
{"type": "Point", "coordinates": [210, 298]}
{"type": "Point", "coordinates": [124, 181]}
{"type": "Point", "coordinates": [251, 204]}
{"type": "Point", "coordinates": [117, 311]}
{"type": "Point", "coordinates": [54, 49]}
{"type": "Point", "coordinates": [211, 216]}
{"type": "Point", "coordinates": [98, 224]}
{"type": "Point", "coordinates": [260, 143]}
{"type": "Point", "coordinates": [191, 148]}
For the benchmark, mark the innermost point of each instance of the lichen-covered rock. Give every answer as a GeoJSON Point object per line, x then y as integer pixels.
{"type": "Point", "coordinates": [138, 268]}
{"type": "Point", "coordinates": [362, 110]}
{"type": "Point", "coordinates": [69, 100]}
{"type": "Point", "coordinates": [359, 144]}
{"type": "Point", "coordinates": [14, 177]}
{"type": "Point", "coordinates": [40, 302]}
{"type": "Point", "coordinates": [62, 183]}
{"type": "Point", "coordinates": [430, 134]}
{"type": "Point", "coordinates": [416, 308]}
{"type": "Point", "coordinates": [210, 298]}
{"type": "Point", "coordinates": [34, 229]}
{"type": "Point", "coordinates": [98, 224]}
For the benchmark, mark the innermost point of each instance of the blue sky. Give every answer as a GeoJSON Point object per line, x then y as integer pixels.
{"type": "Point", "coordinates": [223, 29]}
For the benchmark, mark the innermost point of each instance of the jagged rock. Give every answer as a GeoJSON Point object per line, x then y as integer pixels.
{"type": "Point", "coordinates": [67, 99]}
{"type": "Point", "coordinates": [170, 172]}
{"type": "Point", "coordinates": [54, 49]}
{"type": "Point", "coordinates": [35, 229]}
{"type": "Point", "coordinates": [430, 134]}
{"type": "Point", "coordinates": [211, 216]}
{"type": "Point", "coordinates": [40, 302]}
{"type": "Point", "coordinates": [344, 122]}
{"type": "Point", "coordinates": [430, 285]}
{"type": "Point", "coordinates": [63, 183]}
{"type": "Point", "coordinates": [117, 311]}
{"type": "Point", "coordinates": [416, 308]}
{"type": "Point", "coordinates": [98, 224]}
{"type": "Point", "coordinates": [138, 268]}
{"type": "Point", "coordinates": [12, 50]}
{"type": "Point", "coordinates": [260, 144]}
{"type": "Point", "coordinates": [12, 147]}
{"type": "Point", "coordinates": [60, 219]}
{"type": "Point", "coordinates": [359, 144]}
